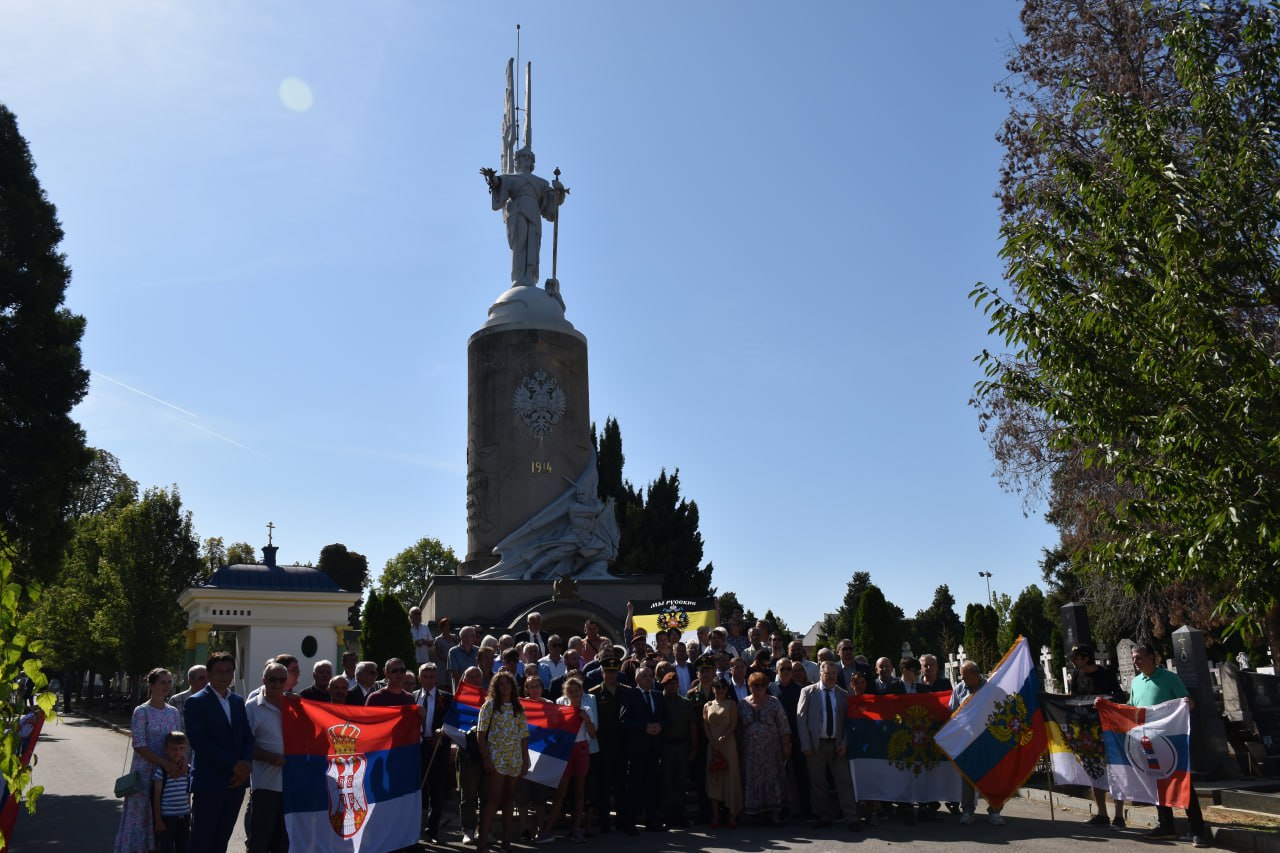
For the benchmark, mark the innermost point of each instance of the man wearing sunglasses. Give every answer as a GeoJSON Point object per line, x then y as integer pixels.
{"type": "Point", "coordinates": [394, 693]}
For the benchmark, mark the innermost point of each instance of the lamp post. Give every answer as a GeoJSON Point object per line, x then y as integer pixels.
{"type": "Point", "coordinates": [987, 575]}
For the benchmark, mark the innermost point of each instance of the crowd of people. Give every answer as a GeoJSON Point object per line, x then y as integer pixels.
{"type": "Point", "coordinates": [738, 725]}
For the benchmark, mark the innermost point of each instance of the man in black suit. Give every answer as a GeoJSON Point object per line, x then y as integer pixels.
{"type": "Point", "coordinates": [642, 719]}
{"type": "Point", "coordinates": [434, 704]}
{"type": "Point", "coordinates": [366, 682]}
{"type": "Point", "coordinates": [219, 733]}
{"type": "Point", "coordinates": [534, 633]}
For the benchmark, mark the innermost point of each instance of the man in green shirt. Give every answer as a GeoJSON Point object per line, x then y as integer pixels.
{"type": "Point", "coordinates": [1152, 685]}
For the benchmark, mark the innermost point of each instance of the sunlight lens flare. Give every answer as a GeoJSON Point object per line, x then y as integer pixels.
{"type": "Point", "coordinates": [295, 94]}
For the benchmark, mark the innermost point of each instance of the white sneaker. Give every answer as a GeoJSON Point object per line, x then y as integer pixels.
{"type": "Point", "coordinates": [996, 819]}
{"type": "Point", "coordinates": [966, 818]}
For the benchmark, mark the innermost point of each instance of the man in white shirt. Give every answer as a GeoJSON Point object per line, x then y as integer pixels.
{"type": "Point", "coordinates": [796, 652]}
{"type": "Point", "coordinates": [264, 822]}
{"type": "Point", "coordinates": [422, 639]}
{"type": "Point", "coordinates": [551, 666]}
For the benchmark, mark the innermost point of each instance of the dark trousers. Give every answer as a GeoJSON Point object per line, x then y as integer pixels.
{"type": "Point", "coordinates": [644, 778]}
{"type": "Point", "coordinates": [797, 775]}
{"type": "Point", "coordinates": [213, 818]}
{"type": "Point", "coordinates": [436, 783]}
{"type": "Point", "coordinates": [675, 782]}
{"type": "Point", "coordinates": [611, 783]}
{"type": "Point", "coordinates": [1194, 816]}
{"type": "Point", "coordinates": [471, 790]}
{"type": "Point", "coordinates": [264, 823]}
{"type": "Point", "coordinates": [176, 835]}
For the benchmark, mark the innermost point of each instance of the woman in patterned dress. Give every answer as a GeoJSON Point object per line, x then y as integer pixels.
{"type": "Point", "coordinates": [766, 747]}
{"type": "Point", "coordinates": [503, 736]}
{"type": "Point", "coordinates": [152, 720]}
{"type": "Point", "coordinates": [720, 724]}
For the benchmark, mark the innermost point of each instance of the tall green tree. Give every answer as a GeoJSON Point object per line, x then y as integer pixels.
{"type": "Point", "coordinates": [937, 629]}
{"type": "Point", "coordinates": [349, 570]}
{"type": "Point", "coordinates": [407, 574]}
{"type": "Point", "coordinates": [877, 626]}
{"type": "Point", "coordinates": [384, 630]}
{"type": "Point", "coordinates": [659, 528]}
{"type": "Point", "coordinates": [981, 635]}
{"type": "Point", "coordinates": [727, 605]}
{"type": "Point", "coordinates": [150, 554]}
{"type": "Point", "coordinates": [241, 554]}
{"type": "Point", "coordinates": [101, 485]}
{"type": "Point", "coordinates": [43, 454]}
{"type": "Point", "coordinates": [1146, 294]}
{"type": "Point", "coordinates": [1027, 618]}
{"type": "Point", "coordinates": [838, 626]}
{"type": "Point", "coordinates": [663, 538]}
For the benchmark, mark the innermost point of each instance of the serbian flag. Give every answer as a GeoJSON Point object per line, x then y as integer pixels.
{"type": "Point", "coordinates": [1148, 752]}
{"type": "Point", "coordinates": [664, 614]}
{"type": "Point", "coordinates": [28, 733]}
{"type": "Point", "coordinates": [997, 736]}
{"type": "Point", "coordinates": [892, 752]}
{"type": "Point", "coordinates": [351, 776]}
{"type": "Point", "coordinates": [1076, 750]}
{"type": "Point", "coordinates": [553, 729]}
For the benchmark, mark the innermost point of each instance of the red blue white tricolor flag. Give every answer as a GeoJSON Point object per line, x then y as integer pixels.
{"type": "Point", "coordinates": [351, 776]}
{"type": "Point", "coordinates": [1148, 752]}
{"type": "Point", "coordinates": [892, 752]}
{"type": "Point", "coordinates": [552, 731]}
{"type": "Point", "coordinates": [997, 736]}
{"type": "Point", "coordinates": [28, 733]}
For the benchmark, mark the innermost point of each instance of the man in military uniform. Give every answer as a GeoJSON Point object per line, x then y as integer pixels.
{"type": "Point", "coordinates": [700, 694]}
{"type": "Point", "coordinates": [678, 750]}
{"type": "Point", "coordinates": [609, 765]}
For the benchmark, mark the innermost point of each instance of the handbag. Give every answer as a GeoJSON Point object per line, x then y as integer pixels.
{"type": "Point", "coordinates": [132, 782]}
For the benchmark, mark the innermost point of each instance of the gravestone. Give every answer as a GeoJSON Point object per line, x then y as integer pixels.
{"type": "Point", "coordinates": [1050, 681]}
{"type": "Point", "coordinates": [1209, 751]}
{"type": "Point", "coordinates": [1124, 662]}
{"type": "Point", "coordinates": [1262, 692]}
{"type": "Point", "coordinates": [1234, 705]}
{"type": "Point", "coordinates": [1075, 627]}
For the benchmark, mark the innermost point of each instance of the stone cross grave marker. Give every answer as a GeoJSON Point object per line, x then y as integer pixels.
{"type": "Point", "coordinates": [1050, 681]}
{"type": "Point", "coordinates": [1124, 659]}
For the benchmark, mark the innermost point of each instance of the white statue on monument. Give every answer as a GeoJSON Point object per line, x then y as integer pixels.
{"type": "Point", "coordinates": [574, 535]}
{"type": "Point", "coordinates": [524, 198]}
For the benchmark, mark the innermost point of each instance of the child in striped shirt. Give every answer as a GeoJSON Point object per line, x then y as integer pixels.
{"type": "Point", "coordinates": [171, 798]}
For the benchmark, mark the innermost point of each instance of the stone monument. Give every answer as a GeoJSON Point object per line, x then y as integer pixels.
{"type": "Point", "coordinates": [1208, 736]}
{"type": "Point", "coordinates": [534, 514]}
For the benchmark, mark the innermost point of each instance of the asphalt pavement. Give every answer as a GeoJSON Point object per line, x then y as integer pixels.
{"type": "Point", "coordinates": [79, 759]}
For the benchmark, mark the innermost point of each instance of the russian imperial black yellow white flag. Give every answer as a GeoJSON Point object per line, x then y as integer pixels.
{"type": "Point", "coordinates": [664, 614]}
{"type": "Point", "coordinates": [1076, 748]}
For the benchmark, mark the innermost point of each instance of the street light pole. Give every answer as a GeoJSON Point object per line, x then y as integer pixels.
{"type": "Point", "coordinates": [987, 575]}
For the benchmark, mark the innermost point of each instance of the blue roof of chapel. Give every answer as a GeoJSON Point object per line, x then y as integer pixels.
{"type": "Point", "coordinates": [294, 578]}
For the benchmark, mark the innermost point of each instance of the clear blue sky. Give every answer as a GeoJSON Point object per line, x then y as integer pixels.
{"type": "Point", "coordinates": [777, 213]}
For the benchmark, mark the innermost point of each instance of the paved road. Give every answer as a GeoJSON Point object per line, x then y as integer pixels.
{"type": "Point", "coordinates": [78, 761]}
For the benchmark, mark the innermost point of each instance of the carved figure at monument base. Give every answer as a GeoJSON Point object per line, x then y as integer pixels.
{"type": "Point", "coordinates": [576, 535]}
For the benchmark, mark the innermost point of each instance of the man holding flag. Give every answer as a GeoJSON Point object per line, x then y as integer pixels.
{"type": "Point", "coordinates": [1152, 685]}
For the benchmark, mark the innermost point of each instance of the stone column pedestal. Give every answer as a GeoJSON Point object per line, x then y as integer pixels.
{"type": "Point", "coordinates": [528, 417]}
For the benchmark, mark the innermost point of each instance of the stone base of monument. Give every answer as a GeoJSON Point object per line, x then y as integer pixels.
{"type": "Point", "coordinates": [564, 604]}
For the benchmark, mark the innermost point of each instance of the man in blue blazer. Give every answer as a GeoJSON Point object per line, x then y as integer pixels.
{"type": "Point", "coordinates": [219, 733]}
